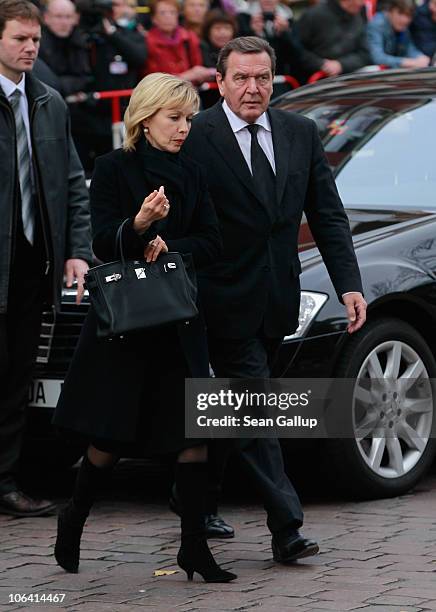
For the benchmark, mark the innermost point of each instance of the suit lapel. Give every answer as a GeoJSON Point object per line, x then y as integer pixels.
{"type": "Point", "coordinates": [282, 151]}
{"type": "Point", "coordinates": [221, 136]}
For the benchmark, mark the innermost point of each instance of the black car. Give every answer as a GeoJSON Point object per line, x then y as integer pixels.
{"type": "Point", "coordinates": [378, 131]}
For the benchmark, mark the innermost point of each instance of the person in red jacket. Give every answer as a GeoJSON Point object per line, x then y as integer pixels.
{"type": "Point", "coordinates": [172, 48]}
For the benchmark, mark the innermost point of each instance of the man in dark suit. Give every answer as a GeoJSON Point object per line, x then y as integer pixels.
{"type": "Point", "coordinates": [264, 168]}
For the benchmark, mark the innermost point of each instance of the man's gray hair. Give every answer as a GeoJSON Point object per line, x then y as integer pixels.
{"type": "Point", "coordinates": [245, 45]}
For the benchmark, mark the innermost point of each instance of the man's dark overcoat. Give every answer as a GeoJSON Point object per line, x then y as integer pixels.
{"type": "Point", "coordinates": [111, 383]}
{"type": "Point", "coordinates": [60, 186]}
{"type": "Point", "coordinates": [254, 283]}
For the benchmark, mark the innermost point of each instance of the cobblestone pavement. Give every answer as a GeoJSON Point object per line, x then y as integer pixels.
{"type": "Point", "coordinates": [378, 555]}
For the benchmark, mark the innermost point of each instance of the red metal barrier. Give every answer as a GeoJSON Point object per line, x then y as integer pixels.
{"type": "Point", "coordinates": [316, 76]}
{"type": "Point", "coordinates": [116, 95]}
{"type": "Point", "coordinates": [208, 85]}
{"type": "Point", "coordinates": [286, 78]}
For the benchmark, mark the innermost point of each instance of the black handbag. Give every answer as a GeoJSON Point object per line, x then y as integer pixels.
{"type": "Point", "coordinates": [133, 295]}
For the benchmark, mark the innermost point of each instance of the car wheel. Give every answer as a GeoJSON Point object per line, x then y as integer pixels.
{"type": "Point", "coordinates": [392, 411]}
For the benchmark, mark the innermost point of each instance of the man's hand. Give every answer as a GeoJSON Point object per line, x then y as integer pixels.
{"type": "Point", "coordinates": [331, 67]}
{"type": "Point", "coordinates": [422, 61]}
{"type": "Point", "coordinates": [200, 74]}
{"type": "Point", "coordinates": [108, 27]}
{"type": "Point", "coordinates": [281, 24]}
{"type": "Point", "coordinates": [75, 269]}
{"type": "Point", "coordinates": [356, 310]}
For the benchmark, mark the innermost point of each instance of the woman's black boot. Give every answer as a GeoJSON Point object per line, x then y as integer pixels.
{"type": "Point", "coordinates": [194, 554]}
{"type": "Point", "coordinates": [72, 517]}
{"type": "Point", "coordinates": [67, 547]}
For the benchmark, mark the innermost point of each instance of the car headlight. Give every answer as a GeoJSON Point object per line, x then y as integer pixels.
{"type": "Point", "coordinates": [310, 304]}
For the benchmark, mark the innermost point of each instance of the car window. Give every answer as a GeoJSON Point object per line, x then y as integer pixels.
{"type": "Point", "coordinates": [393, 164]}
{"type": "Point", "coordinates": [342, 129]}
{"type": "Point", "coordinates": [325, 115]}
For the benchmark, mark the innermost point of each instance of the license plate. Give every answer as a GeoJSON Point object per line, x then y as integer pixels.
{"type": "Point", "coordinates": [44, 393]}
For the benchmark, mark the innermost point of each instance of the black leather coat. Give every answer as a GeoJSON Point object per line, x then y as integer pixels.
{"type": "Point", "coordinates": [60, 181]}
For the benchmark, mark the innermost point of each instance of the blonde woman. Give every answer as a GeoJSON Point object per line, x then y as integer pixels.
{"type": "Point", "coordinates": [132, 388]}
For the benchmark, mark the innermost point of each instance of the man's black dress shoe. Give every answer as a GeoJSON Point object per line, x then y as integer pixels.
{"type": "Point", "coordinates": [215, 526]}
{"type": "Point", "coordinates": [17, 503]}
{"type": "Point", "coordinates": [292, 547]}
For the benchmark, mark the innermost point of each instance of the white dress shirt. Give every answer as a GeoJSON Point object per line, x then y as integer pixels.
{"type": "Point", "coordinates": [243, 136]}
{"type": "Point", "coordinates": [9, 87]}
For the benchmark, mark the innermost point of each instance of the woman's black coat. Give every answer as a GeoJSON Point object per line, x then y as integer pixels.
{"type": "Point", "coordinates": [107, 380]}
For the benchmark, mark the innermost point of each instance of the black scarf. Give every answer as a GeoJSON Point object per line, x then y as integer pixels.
{"type": "Point", "coordinates": [167, 169]}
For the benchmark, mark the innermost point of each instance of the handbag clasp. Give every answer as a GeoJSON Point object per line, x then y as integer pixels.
{"type": "Point", "coordinates": [112, 278]}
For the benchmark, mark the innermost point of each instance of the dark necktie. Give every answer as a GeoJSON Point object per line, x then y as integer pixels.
{"type": "Point", "coordinates": [263, 175]}
{"type": "Point", "coordinates": [24, 168]}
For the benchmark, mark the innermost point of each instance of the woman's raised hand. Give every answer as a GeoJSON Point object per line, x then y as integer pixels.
{"type": "Point", "coordinates": [154, 207]}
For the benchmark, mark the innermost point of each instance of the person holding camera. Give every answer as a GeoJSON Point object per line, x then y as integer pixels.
{"type": "Point", "coordinates": [272, 21]}
{"type": "Point", "coordinates": [117, 47]}
{"type": "Point", "coordinates": [117, 51]}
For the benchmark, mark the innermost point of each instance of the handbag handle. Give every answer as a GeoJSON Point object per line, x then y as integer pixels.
{"type": "Point", "coordinates": [119, 242]}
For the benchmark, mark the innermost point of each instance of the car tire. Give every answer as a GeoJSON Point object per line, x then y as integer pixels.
{"type": "Point", "coordinates": [354, 463]}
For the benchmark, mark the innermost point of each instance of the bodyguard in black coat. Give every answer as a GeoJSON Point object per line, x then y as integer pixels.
{"type": "Point", "coordinates": [133, 387]}
{"type": "Point", "coordinates": [44, 230]}
{"type": "Point", "coordinates": [264, 169]}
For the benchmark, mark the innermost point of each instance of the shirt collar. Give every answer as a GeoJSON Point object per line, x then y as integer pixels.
{"type": "Point", "coordinates": [237, 124]}
{"type": "Point", "coordinates": [9, 86]}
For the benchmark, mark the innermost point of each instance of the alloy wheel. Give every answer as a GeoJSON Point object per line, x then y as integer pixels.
{"type": "Point", "coordinates": [392, 409]}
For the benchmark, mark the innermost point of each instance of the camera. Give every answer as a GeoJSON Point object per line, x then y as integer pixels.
{"type": "Point", "coordinates": [102, 6]}
{"type": "Point", "coordinates": [92, 12]}
{"type": "Point", "coordinates": [268, 16]}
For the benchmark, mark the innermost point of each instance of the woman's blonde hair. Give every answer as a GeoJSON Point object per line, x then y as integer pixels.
{"type": "Point", "coordinates": [154, 92]}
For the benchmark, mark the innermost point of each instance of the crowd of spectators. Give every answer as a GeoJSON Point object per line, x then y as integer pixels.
{"type": "Point", "coordinates": [100, 45]}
